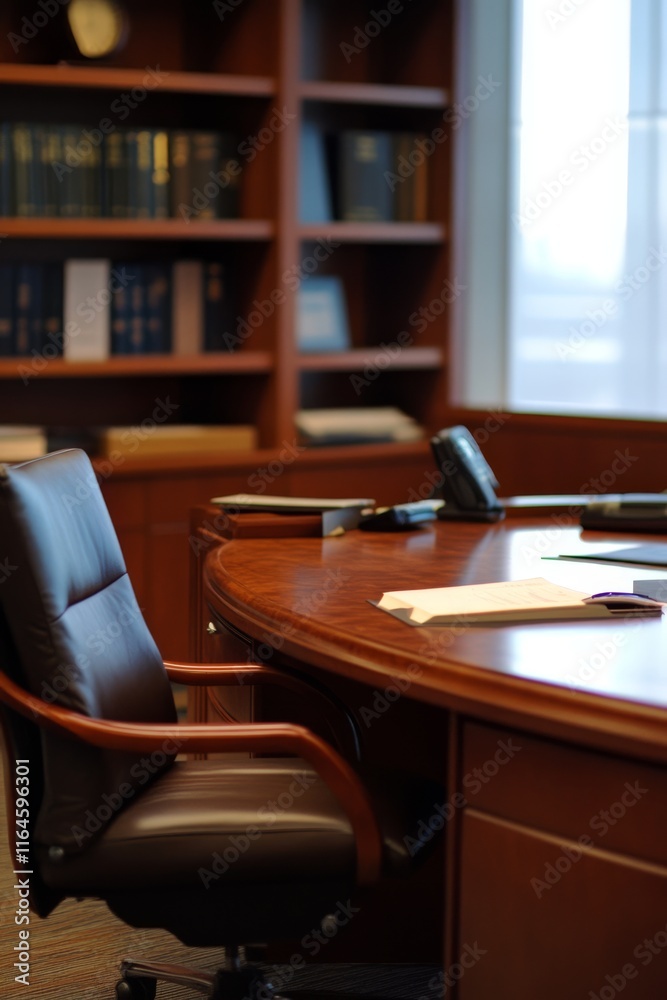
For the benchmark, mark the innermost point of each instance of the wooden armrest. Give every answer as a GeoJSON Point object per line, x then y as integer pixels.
{"type": "Point", "coordinates": [228, 738]}
{"type": "Point", "coordinates": [227, 674]}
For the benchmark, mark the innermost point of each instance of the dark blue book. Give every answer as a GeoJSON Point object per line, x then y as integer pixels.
{"type": "Point", "coordinates": [364, 192]}
{"type": "Point", "coordinates": [71, 183]}
{"type": "Point", "coordinates": [157, 304]}
{"type": "Point", "coordinates": [218, 307]}
{"type": "Point", "coordinates": [6, 170]}
{"type": "Point", "coordinates": [115, 175]}
{"type": "Point", "coordinates": [27, 170]}
{"type": "Point", "coordinates": [160, 173]}
{"type": "Point", "coordinates": [28, 317]}
{"type": "Point", "coordinates": [139, 144]}
{"type": "Point", "coordinates": [52, 306]}
{"type": "Point", "coordinates": [7, 302]}
{"type": "Point", "coordinates": [121, 312]}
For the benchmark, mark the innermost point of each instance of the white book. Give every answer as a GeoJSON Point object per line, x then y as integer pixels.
{"type": "Point", "coordinates": [87, 310]}
{"type": "Point", "coordinates": [187, 308]}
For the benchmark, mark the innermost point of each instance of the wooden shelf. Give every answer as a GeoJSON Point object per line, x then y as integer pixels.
{"type": "Point", "coordinates": [110, 78]}
{"type": "Point", "coordinates": [242, 363]}
{"type": "Point", "coordinates": [371, 93]}
{"type": "Point", "coordinates": [409, 359]}
{"type": "Point", "coordinates": [139, 229]}
{"type": "Point", "coordinates": [375, 232]}
{"type": "Point", "coordinates": [242, 462]}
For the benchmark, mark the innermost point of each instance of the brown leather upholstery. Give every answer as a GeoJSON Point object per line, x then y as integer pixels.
{"type": "Point", "coordinates": [77, 628]}
{"type": "Point", "coordinates": [216, 851]}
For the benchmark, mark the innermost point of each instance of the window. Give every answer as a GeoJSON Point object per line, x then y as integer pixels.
{"type": "Point", "coordinates": [564, 214]}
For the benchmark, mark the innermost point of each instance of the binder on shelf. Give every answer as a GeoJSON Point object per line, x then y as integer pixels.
{"type": "Point", "coordinates": [322, 315]}
{"type": "Point", "coordinates": [88, 325]}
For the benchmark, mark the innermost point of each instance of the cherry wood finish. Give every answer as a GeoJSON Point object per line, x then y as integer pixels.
{"type": "Point", "coordinates": [253, 738]}
{"type": "Point", "coordinates": [553, 737]}
{"type": "Point", "coordinates": [261, 68]}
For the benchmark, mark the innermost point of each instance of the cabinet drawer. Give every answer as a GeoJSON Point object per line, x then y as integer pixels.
{"type": "Point", "coordinates": [597, 799]}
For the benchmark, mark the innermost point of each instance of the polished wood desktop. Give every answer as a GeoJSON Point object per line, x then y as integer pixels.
{"type": "Point", "coordinates": [551, 738]}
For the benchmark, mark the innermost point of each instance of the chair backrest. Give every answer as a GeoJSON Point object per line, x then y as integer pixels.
{"type": "Point", "coordinates": [73, 634]}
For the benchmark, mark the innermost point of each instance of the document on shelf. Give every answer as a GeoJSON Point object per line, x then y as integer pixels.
{"type": "Point", "coordinates": [534, 599]}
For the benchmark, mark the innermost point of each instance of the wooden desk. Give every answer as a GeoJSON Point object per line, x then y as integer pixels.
{"type": "Point", "coordinates": [553, 740]}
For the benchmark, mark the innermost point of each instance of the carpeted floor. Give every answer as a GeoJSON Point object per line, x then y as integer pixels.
{"type": "Point", "coordinates": [75, 954]}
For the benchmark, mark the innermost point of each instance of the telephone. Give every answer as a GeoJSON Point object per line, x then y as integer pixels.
{"type": "Point", "coordinates": [468, 483]}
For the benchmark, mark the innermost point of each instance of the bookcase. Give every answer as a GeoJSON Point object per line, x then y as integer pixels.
{"type": "Point", "coordinates": [268, 71]}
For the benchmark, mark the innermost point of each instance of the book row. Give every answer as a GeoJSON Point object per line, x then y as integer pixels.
{"type": "Point", "coordinates": [91, 309]}
{"type": "Point", "coordinates": [364, 175]}
{"type": "Point", "coordinates": [74, 171]}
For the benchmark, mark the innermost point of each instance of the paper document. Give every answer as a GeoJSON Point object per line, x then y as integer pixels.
{"type": "Point", "coordinates": [650, 554]}
{"type": "Point", "coordinates": [535, 599]}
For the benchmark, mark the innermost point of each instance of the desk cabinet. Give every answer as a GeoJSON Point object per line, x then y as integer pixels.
{"type": "Point", "coordinates": [553, 840]}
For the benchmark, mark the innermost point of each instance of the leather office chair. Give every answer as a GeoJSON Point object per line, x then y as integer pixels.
{"type": "Point", "coordinates": [198, 847]}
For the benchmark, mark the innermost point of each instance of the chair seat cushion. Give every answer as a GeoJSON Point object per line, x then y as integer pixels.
{"type": "Point", "coordinates": [245, 820]}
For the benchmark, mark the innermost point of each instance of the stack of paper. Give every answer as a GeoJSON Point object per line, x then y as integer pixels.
{"type": "Point", "coordinates": [534, 599]}
{"type": "Point", "coordinates": [19, 444]}
{"type": "Point", "coordinates": [357, 425]}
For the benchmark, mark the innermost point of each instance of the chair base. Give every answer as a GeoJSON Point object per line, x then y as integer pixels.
{"type": "Point", "coordinates": [239, 982]}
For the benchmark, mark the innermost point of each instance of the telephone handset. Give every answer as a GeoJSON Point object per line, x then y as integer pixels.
{"type": "Point", "coordinates": [468, 483]}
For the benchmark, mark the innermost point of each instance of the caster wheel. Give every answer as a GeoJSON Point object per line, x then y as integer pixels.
{"type": "Point", "coordinates": [136, 989]}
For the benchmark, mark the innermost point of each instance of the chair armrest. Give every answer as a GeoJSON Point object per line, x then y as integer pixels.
{"type": "Point", "coordinates": [228, 738]}
{"type": "Point", "coordinates": [228, 674]}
